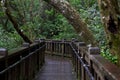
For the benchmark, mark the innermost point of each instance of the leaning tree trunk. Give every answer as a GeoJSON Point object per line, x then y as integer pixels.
{"type": "Point", "coordinates": [15, 24]}
{"type": "Point", "coordinates": [74, 19]}
{"type": "Point", "coordinates": [110, 16]}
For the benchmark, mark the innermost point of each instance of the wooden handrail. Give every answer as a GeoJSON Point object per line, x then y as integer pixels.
{"type": "Point", "coordinates": [23, 63]}
{"type": "Point", "coordinates": [99, 68]}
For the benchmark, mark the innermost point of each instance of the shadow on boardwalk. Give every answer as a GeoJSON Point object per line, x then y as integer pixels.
{"type": "Point", "coordinates": [56, 68]}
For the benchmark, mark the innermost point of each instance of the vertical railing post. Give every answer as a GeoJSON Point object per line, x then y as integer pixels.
{"type": "Point", "coordinates": [63, 47]}
{"type": "Point", "coordinates": [51, 47]}
{"type": "Point", "coordinates": [81, 46]}
{"type": "Point", "coordinates": [55, 47]}
{"type": "Point", "coordinates": [93, 51]}
{"type": "Point", "coordinates": [43, 52]}
{"type": "Point", "coordinates": [25, 45]}
{"type": "Point", "coordinates": [38, 56]}
{"type": "Point", "coordinates": [73, 55]}
{"type": "Point", "coordinates": [74, 43]}
{"type": "Point", "coordinates": [59, 47]}
{"type": "Point", "coordinates": [4, 53]}
{"type": "Point", "coordinates": [25, 66]}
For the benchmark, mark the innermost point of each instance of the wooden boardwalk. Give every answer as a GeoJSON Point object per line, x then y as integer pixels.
{"type": "Point", "coordinates": [56, 68]}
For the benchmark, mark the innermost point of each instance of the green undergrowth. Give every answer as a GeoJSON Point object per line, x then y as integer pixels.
{"type": "Point", "coordinates": [107, 55]}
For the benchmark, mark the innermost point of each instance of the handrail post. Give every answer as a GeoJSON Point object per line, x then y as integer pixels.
{"type": "Point", "coordinates": [25, 65]}
{"type": "Point", "coordinates": [37, 41]}
{"type": "Point", "coordinates": [51, 46]}
{"type": "Point", "coordinates": [42, 55]}
{"type": "Point", "coordinates": [81, 46]}
{"type": "Point", "coordinates": [38, 54]}
{"type": "Point", "coordinates": [26, 45]}
{"type": "Point", "coordinates": [63, 47]}
{"type": "Point", "coordinates": [74, 41]}
{"type": "Point", "coordinates": [4, 53]}
{"type": "Point", "coordinates": [42, 40]}
{"type": "Point", "coordinates": [93, 51]}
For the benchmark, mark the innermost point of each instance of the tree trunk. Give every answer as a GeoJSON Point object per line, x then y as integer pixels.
{"type": "Point", "coordinates": [110, 16]}
{"type": "Point", "coordinates": [74, 19]}
{"type": "Point", "coordinates": [15, 24]}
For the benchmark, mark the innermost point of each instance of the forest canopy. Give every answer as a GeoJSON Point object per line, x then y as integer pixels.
{"type": "Point", "coordinates": [92, 21]}
{"type": "Point", "coordinates": [37, 19]}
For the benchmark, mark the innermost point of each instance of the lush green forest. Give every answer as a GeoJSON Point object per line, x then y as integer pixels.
{"type": "Point", "coordinates": [27, 20]}
{"type": "Point", "coordinates": [38, 19]}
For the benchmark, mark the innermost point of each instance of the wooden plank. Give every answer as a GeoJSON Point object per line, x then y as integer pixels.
{"type": "Point", "coordinates": [56, 68]}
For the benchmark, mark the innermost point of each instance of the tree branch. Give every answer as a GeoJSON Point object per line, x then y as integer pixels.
{"type": "Point", "coordinates": [74, 19]}
{"type": "Point", "coordinates": [15, 24]}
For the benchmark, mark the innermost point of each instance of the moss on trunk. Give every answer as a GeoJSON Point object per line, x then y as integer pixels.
{"type": "Point", "coordinates": [74, 19]}
{"type": "Point", "coordinates": [110, 13]}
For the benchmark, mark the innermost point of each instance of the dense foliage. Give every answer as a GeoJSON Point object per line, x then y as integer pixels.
{"type": "Point", "coordinates": [37, 19]}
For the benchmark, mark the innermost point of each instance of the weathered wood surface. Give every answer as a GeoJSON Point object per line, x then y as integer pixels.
{"type": "Point", "coordinates": [22, 63]}
{"type": "Point", "coordinates": [56, 68]}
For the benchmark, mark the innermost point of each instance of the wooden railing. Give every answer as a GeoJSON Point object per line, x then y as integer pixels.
{"type": "Point", "coordinates": [81, 68]}
{"type": "Point", "coordinates": [87, 61]}
{"type": "Point", "coordinates": [23, 63]}
{"type": "Point", "coordinates": [58, 47]}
